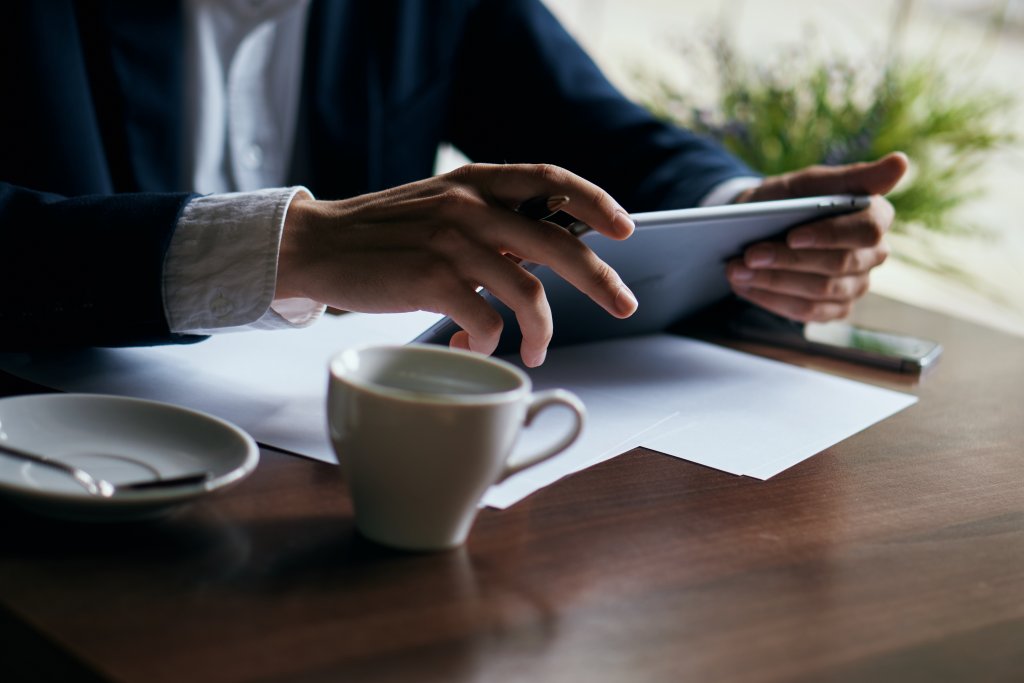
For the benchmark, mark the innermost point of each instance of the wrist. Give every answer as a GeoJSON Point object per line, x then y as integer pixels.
{"type": "Point", "coordinates": [300, 215]}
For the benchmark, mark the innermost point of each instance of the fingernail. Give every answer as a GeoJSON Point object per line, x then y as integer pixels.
{"type": "Point", "coordinates": [537, 359]}
{"type": "Point", "coordinates": [625, 301]}
{"type": "Point", "coordinates": [741, 273]}
{"type": "Point", "coordinates": [623, 223]}
{"type": "Point", "coordinates": [760, 255]}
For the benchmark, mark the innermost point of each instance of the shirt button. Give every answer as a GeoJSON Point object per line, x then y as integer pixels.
{"type": "Point", "coordinates": [221, 306]}
{"type": "Point", "coordinates": [252, 157]}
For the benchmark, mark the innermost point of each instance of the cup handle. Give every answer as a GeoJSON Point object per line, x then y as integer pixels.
{"type": "Point", "coordinates": [539, 402]}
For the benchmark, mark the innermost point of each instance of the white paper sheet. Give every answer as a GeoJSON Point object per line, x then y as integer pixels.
{"type": "Point", "coordinates": [273, 384]}
{"type": "Point", "coordinates": [614, 425]}
{"type": "Point", "coordinates": [717, 407]}
{"type": "Point", "coordinates": [733, 411]}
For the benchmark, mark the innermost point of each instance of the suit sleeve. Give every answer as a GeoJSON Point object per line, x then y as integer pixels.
{"type": "Point", "coordinates": [84, 271]}
{"type": "Point", "coordinates": [526, 92]}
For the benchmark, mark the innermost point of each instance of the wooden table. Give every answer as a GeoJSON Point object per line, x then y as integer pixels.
{"type": "Point", "coordinates": [897, 555]}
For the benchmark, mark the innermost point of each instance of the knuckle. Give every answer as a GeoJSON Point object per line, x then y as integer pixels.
{"type": "Point", "coordinates": [550, 173]}
{"type": "Point", "coordinates": [491, 324]}
{"type": "Point", "coordinates": [863, 261]}
{"type": "Point", "coordinates": [829, 288]}
{"type": "Point", "coordinates": [845, 262]}
{"type": "Point", "coordinates": [825, 312]}
{"type": "Point", "coordinates": [446, 237]}
{"type": "Point", "coordinates": [868, 229]}
{"type": "Point", "coordinates": [455, 199]}
{"type": "Point", "coordinates": [603, 200]}
{"type": "Point", "coordinates": [460, 172]}
{"type": "Point", "coordinates": [531, 289]}
{"type": "Point", "coordinates": [465, 172]}
{"type": "Point", "coordinates": [603, 276]}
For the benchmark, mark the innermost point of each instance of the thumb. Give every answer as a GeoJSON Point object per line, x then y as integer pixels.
{"type": "Point", "coordinates": [874, 177]}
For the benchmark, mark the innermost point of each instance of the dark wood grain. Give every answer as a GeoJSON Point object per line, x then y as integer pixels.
{"type": "Point", "coordinates": [896, 555]}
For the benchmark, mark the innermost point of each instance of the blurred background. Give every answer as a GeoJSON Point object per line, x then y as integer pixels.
{"type": "Point", "coordinates": [784, 83]}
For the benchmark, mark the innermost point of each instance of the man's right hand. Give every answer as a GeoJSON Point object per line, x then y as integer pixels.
{"type": "Point", "coordinates": [428, 245]}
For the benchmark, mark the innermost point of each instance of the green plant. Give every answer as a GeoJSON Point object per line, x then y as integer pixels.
{"type": "Point", "coordinates": [805, 109]}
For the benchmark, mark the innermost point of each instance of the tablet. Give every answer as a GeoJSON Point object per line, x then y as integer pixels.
{"type": "Point", "coordinates": [674, 262]}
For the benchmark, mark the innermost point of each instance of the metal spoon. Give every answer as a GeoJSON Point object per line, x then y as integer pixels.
{"type": "Point", "coordinates": [101, 487]}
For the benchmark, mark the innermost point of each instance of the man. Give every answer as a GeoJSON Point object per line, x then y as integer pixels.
{"type": "Point", "coordinates": [116, 112]}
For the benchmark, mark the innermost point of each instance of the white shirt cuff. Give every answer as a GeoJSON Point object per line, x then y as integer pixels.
{"type": "Point", "coordinates": [727, 192]}
{"type": "Point", "coordinates": [220, 271]}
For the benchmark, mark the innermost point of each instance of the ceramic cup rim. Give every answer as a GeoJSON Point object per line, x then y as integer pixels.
{"type": "Point", "coordinates": [340, 373]}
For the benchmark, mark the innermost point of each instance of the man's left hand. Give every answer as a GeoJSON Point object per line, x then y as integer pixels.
{"type": "Point", "coordinates": [823, 267]}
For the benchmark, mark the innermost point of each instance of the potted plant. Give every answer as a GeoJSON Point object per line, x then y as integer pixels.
{"type": "Point", "coordinates": [803, 108]}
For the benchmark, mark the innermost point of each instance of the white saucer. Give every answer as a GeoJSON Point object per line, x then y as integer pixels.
{"type": "Point", "coordinates": [121, 440]}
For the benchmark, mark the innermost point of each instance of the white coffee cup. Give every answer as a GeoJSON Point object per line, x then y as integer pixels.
{"type": "Point", "coordinates": [422, 431]}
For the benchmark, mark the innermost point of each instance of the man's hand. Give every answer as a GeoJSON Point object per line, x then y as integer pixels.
{"type": "Point", "coordinates": [428, 245]}
{"type": "Point", "coordinates": [822, 267]}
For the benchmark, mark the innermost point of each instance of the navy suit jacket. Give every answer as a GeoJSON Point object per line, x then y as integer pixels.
{"type": "Point", "coordinates": [91, 177]}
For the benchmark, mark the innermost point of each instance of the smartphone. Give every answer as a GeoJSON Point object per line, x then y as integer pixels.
{"type": "Point", "coordinates": [838, 339]}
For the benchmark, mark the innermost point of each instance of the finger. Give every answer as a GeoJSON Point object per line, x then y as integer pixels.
{"type": "Point", "coordinates": [796, 308]}
{"type": "Point", "coordinates": [460, 340]}
{"type": "Point", "coordinates": [864, 228]}
{"type": "Point", "coordinates": [875, 177]}
{"type": "Point", "coordinates": [803, 285]}
{"type": "Point", "coordinates": [521, 292]}
{"type": "Point", "coordinates": [570, 258]}
{"type": "Point", "coordinates": [510, 183]}
{"type": "Point", "coordinates": [481, 325]}
{"type": "Point", "coordinates": [505, 232]}
{"type": "Point", "coordinates": [775, 256]}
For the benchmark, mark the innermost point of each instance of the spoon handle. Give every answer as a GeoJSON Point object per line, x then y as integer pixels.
{"type": "Point", "coordinates": [101, 487]}
{"type": "Point", "coordinates": [97, 487]}
{"type": "Point", "coordinates": [182, 480]}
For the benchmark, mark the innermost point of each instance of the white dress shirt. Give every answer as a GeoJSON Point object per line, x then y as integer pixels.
{"type": "Point", "coordinates": [243, 75]}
